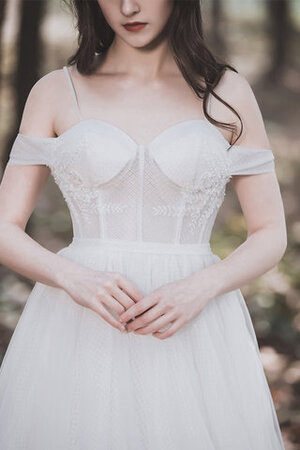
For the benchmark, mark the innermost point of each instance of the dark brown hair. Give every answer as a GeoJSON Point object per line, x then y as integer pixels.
{"type": "Point", "coordinates": [184, 30]}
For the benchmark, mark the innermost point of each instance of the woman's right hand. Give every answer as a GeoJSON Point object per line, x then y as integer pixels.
{"type": "Point", "coordinates": [99, 290]}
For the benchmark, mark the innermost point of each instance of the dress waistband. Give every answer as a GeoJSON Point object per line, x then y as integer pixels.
{"type": "Point", "coordinates": [203, 248]}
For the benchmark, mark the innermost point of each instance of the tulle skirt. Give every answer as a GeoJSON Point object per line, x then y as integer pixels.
{"type": "Point", "coordinates": [69, 380]}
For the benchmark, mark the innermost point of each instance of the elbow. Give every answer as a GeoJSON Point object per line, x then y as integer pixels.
{"type": "Point", "coordinates": [284, 245]}
{"type": "Point", "coordinates": [6, 226]}
{"type": "Point", "coordinates": [280, 248]}
{"type": "Point", "coordinates": [281, 252]}
{"type": "Point", "coordinates": [283, 240]}
{"type": "Point", "coordinates": [274, 240]}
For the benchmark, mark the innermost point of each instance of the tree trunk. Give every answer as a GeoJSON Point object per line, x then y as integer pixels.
{"type": "Point", "coordinates": [279, 32]}
{"type": "Point", "coordinates": [28, 60]}
{"type": "Point", "coordinates": [217, 37]}
{"type": "Point", "coordinates": [2, 15]}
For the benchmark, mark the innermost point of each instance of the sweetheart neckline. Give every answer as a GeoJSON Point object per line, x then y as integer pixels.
{"type": "Point", "coordinates": [127, 136]}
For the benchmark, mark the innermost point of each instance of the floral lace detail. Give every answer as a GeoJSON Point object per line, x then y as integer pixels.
{"type": "Point", "coordinates": [200, 206]}
{"type": "Point", "coordinates": [112, 207]}
{"type": "Point", "coordinates": [168, 210]}
{"type": "Point", "coordinates": [201, 201]}
{"type": "Point", "coordinates": [67, 177]}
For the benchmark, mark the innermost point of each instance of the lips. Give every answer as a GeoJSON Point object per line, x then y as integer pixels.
{"type": "Point", "coordinates": [134, 26]}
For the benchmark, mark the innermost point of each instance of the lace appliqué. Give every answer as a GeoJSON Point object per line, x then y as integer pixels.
{"type": "Point", "coordinates": [67, 177]}
{"type": "Point", "coordinates": [112, 208]}
{"type": "Point", "coordinates": [200, 199]}
{"type": "Point", "coordinates": [202, 202]}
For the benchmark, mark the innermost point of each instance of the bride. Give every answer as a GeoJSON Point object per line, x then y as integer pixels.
{"type": "Point", "coordinates": [142, 131]}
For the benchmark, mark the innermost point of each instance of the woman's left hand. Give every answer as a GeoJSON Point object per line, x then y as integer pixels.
{"type": "Point", "coordinates": [175, 303]}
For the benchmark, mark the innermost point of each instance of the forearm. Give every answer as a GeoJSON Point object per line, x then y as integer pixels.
{"type": "Point", "coordinates": [22, 254]}
{"type": "Point", "coordinates": [260, 252]}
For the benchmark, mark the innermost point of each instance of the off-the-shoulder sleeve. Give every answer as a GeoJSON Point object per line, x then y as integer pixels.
{"type": "Point", "coordinates": [248, 161]}
{"type": "Point", "coordinates": [31, 150]}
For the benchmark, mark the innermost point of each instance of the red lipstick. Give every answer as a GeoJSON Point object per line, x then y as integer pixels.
{"type": "Point", "coordinates": [134, 26]}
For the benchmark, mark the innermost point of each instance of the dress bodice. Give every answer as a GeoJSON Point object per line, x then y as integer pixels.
{"type": "Point", "coordinates": [168, 190]}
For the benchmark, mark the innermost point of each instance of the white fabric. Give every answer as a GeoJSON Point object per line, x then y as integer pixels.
{"type": "Point", "coordinates": [169, 190]}
{"type": "Point", "coordinates": [69, 380]}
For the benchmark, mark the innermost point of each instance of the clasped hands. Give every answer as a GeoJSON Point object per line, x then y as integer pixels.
{"type": "Point", "coordinates": [174, 303]}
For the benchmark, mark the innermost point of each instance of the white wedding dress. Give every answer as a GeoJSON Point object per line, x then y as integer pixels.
{"type": "Point", "coordinates": [71, 381]}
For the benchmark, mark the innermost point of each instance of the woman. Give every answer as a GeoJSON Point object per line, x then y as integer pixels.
{"type": "Point", "coordinates": [139, 133]}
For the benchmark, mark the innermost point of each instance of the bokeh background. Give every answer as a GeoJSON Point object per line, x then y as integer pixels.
{"type": "Point", "coordinates": [260, 38]}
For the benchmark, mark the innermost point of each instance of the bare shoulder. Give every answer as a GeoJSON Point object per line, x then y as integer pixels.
{"type": "Point", "coordinates": [41, 105]}
{"type": "Point", "coordinates": [235, 89]}
{"type": "Point", "coordinates": [234, 82]}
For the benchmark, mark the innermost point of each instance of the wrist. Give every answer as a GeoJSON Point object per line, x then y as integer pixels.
{"type": "Point", "coordinates": [209, 281]}
{"type": "Point", "coordinates": [66, 271]}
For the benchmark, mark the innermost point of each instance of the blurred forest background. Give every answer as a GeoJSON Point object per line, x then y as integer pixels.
{"type": "Point", "coordinates": [260, 38]}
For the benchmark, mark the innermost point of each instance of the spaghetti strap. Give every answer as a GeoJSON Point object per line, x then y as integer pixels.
{"type": "Point", "coordinates": [73, 92]}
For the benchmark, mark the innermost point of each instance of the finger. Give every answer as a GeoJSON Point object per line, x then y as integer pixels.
{"type": "Point", "coordinates": [138, 308]}
{"type": "Point", "coordinates": [112, 303]}
{"type": "Point", "coordinates": [122, 298]}
{"type": "Point", "coordinates": [176, 325]}
{"type": "Point", "coordinates": [129, 288]}
{"type": "Point", "coordinates": [144, 319]}
{"type": "Point", "coordinates": [157, 324]}
{"type": "Point", "coordinates": [106, 315]}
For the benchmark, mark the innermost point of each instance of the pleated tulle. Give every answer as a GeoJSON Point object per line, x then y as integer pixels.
{"type": "Point", "coordinates": [69, 380]}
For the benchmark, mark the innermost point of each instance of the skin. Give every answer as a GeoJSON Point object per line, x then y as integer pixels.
{"type": "Point", "coordinates": [138, 87]}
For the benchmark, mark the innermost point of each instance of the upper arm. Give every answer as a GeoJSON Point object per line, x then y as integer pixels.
{"type": "Point", "coordinates": [235, 90]}
{"type": "Point", "coordinates": [20, 189]}
{"type": "Point", "coordinates": [40, 107]}
{"type": "Point", "coordinates": [253, 174]}
{"type": "Point", "coordinates": [27, 171]}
